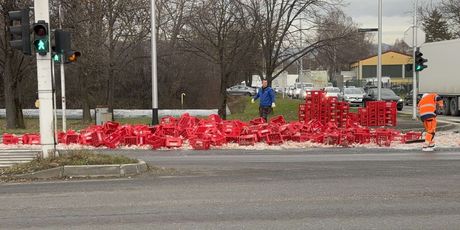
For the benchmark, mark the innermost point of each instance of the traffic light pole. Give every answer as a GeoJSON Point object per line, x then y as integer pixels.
{"type": "Point", "coordinates": [414, 73]}
{"type": "Point", "coordinates": [64, 119]}
{"type": "Point", "coordinates": [63, 100]}
{"type": "Point", "coordinates": [154, 65]}
{"type": "Point", "coordinates": [45, 90]}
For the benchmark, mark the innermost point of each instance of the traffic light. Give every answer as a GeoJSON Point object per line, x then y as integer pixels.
{"type": "Point", "coordinates": [20, 33]}
{"type": "Point", "coordinates": [41, 37]}
{"type": "Point", "coordinates": [71, 56]}
{"type": "Point", "coordinates": [419, 61]}
{"type": "Point", "coordinates": [63, 46]}
{"type": "Point", "coordinates": [56, 57]}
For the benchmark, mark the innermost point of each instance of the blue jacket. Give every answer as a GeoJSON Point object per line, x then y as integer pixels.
{"type": "Point", "coordinates": [267, 96]}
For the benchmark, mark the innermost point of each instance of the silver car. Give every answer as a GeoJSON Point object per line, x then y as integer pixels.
{"type": "Point", "coordinates": [354, 96]}
{"type": "Point", "coordinates": [303, 94]}
{"type": "Point", "coordinates": [300, 88]}
{"type": "Point", "coordinates": [241, 90]}
{"type": "Point", "coordinates": [333, 92]}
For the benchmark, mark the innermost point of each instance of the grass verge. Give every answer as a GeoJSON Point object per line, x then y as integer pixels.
{"type": "Point", "coordinates": [284, 106]}
{"type": "Point", "coordinates": [80, 157]}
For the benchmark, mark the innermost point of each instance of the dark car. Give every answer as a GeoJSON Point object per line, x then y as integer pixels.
{"type": "Point", "coordinates": [387, 95]}
{"type": "Point", "coordinates": [408, 98]}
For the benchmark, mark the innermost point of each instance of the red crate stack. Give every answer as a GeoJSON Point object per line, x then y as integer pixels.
{"type": "Point", "coordinates": [342, 114]}
{"type": "Point", "coordinates": [363, 117]}
{"type": "Point", "coordinates": [302, 112]}
{"type": "Point", "coordinates": [372, 117]}
{"type": "Point", "coordinates": [390, 113]}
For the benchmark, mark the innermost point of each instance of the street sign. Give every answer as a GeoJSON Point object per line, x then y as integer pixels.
{"type": "Point", "coordinates": [409, 34]}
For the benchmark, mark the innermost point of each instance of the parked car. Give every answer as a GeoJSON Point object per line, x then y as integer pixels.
{"type": "Point", "coordinates": [387, 95]}
{"type": "Point", "coordinates": [241, 90]}
{"type": "Point", "coordinates": [354, 96]}
{"type": "Point", "coordinates": [278, 90]}
{"type": "Point", "coordinates": [300, 87]}
{"type": "Point", "coordinates": [333, 92]}
{"type": "Point", "coordinates": [303, 93]}
{"type": "Point", "coordinates": [408, 98]}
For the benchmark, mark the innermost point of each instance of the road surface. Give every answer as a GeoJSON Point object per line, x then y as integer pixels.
{"type": "Point", "coordinates": [318, 189]}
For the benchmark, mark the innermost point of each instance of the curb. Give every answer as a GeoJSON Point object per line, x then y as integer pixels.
{"type": "Point", "coordinates": [91, 171]}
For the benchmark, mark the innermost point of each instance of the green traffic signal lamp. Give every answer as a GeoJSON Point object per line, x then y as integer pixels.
{"type": "Point", "coordinates": [41, 40]}
{"type": "Point", "coordinates": [419, 61]}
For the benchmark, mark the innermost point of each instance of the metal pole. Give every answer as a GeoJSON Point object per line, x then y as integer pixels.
{"type": "Point", "coordinates": [53, 77]}
{"type": "Point", "coordinates": [45, 90]}
{"type": "Point", "coordinates": [154, 65]}
{"type": "Point", "coordinates": [63, 100]}
{"type": "Point", "coordinates": [379, 64]}
{"type": "Point", "coordinates": [414, 73]}
{"type": "Point", "coordinates": [301, 47]}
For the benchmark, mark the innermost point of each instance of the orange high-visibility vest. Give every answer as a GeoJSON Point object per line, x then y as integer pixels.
{"type": "Point", "coordinates": [427, 105]}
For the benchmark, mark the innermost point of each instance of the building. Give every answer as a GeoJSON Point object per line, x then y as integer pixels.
{"type": "Point", "coordinates": [395, 65]}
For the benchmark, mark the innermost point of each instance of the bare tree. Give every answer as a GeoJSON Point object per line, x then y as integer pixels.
{"type": "Point", "coordinates": [218, 32]}
{"type": "Point", "coordinates": [277, 22]}
{"type": "Point", "coordinates": [451, 10]}
{"type": "Point", "coordinates": [344, 44]}
{"type": "Point", "coordinates": [15, 68]}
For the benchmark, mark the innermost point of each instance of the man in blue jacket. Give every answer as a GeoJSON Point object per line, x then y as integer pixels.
{"type": "Point", "coordinates": [267, 100]}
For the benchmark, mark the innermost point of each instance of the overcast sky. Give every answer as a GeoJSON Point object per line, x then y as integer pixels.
{"type": "Point", "coordinates": [397, 16]}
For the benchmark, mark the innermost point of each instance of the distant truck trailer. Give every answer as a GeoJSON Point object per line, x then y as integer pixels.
{"type": "Point", "coordinates": [442, 75]}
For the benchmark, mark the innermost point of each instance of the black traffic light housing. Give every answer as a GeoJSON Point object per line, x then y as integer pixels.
{"type": "Point", "coordinates": [20, 33]}
{"type": "Point", "coordinates": [41, 37]}
{"type": "Point", "coordinates": [420, 61]}
{"type": "Point", "coordinates": [63, 48]}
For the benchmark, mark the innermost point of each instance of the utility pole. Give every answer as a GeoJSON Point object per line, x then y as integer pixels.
{"type": "Point", "coordinates": [379, 64]}
{"type": "Point", "coordinates": [154, 65]}
{"type": "Point", "coordinates": [45, 90]}
{"type": "Point", "coordinates": [414, 72]}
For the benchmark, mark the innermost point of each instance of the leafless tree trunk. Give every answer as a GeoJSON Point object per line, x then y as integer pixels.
{"type": "Point", "coordinates": [218, 32]}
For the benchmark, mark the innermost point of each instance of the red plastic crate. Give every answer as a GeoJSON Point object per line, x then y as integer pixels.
{"type": "Point", "coordinates": [247, 140]}
{"type": "Point", "coordinates": [274, 139]}
{"type": "Point", "coordinates": [200, 144]}
{"type": "Point", "coordinates": [173, 142]}
{"type": "Point", "coordinates": [168, 120]}
{"type": "Point", "coordinates": [278, 120]}
{"type": "Point", "coordinates": [113, 140]}
{"type": "Point", "coordinates": [71, 138]}
{"type": "Point", "coordinates": [155, 142]}
{"type": "Point", "coordinates": [31, 139]}
{"type": "Point", "coordinates": [257, 121]}
{"type": "Point", "coordinates": [10, 139]}
{"type": "Point", "coordinates": [300, 137]}
{"type": "Point", "coordinates": [130, 140]}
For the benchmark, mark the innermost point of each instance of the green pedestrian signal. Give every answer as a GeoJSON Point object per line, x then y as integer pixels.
{"type": "Point", "coordinates": [56, 58]}
{"type": "Point", "coordinates": [41, 37]}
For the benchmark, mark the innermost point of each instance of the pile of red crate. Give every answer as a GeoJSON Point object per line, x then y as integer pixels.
{"type": "Point", "coordinates": [378, 113]}
{"type": "Point", "coordinates": [323, 109]}
{"type": "Point", "coordinates": [328, 109]}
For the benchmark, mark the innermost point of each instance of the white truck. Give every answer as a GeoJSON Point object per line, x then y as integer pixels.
{"type": "Point", "coordinates": [442, 75]}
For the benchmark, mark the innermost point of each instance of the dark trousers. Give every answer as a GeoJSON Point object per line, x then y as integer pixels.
{"type": "Point", "coordinates": [264, 111]}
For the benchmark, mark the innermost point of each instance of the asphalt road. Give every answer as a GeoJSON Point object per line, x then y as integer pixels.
{"type": "Point", "coordinates": [331, 189]}
{"type": "Point", "coordinates": [450, 119]}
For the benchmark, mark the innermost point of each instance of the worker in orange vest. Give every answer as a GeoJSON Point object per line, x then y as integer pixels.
{"type": "Point", "coordinates": [427, 112]}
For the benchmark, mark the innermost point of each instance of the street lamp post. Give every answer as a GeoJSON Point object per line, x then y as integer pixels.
{"type": "Point", "coordinates": [379, 62]}
{"type": "Point", "coordinates": [154, 65]}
